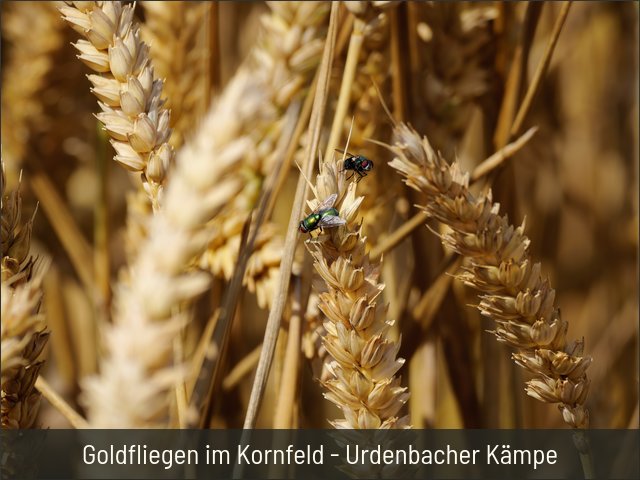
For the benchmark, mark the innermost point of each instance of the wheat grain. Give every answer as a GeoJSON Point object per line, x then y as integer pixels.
{"type": "Point", "coordinates": [515, 295]}
{"type": "Point", "coordinates": [129, 96]}
{"type": "Point", "coordinates": [24, 333]}
{"type": "Point", "coordinates": [232, 133]}
{"type": "Point", "coordinates": [135, 384]}
{"type": "Point", "coordinates": [363, 382]}
{"type": "Point", "coordinates": [360, 95]}
{"type": "Point", "coordinates": [222, 252]}
{"type": "Point", "coordinates": [23, 339]}
{"type": "Point", "coordinates": [175, 33]}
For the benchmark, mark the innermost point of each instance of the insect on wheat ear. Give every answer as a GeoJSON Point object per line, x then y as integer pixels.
{"type": "Point", "coordinates": [324, 216]}
{"type": "Point", "coordinates": [357, 164]}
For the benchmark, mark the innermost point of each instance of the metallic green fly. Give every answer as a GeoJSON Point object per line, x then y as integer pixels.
{"type": "Point", "coordinates": [325, 216]}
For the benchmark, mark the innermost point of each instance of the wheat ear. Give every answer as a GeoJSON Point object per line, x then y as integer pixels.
{"type": "Point", "coordinates": [24, 333]}
{"type": "Point", "coordinates": [135, 384]}
{"type": "Point", "coordinates": [515, 295]}
{"type": "Point", "coordinates": [175, 33]}
{"type": "Point", "coordinates": [368, 119]}
{"type": "Point", "coordinates": [283, 62]}
{"type": "Point", "coordinates": [451, 84]}
{"type": "Point", "coordinates": [364, 357]}
{"type": "Point", "coordinates": [24, 75]}
{"type": "Point", "coordinates": [128, 94]}
{"type": "Point", "coordinates": [357, 115]}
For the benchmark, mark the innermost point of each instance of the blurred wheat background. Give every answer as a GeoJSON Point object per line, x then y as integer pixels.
{"type": "Point", "coordinates": [116, 281]}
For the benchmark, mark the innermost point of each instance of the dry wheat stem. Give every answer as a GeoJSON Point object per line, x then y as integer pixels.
{"type": "Point", "coordinates": [426, 308]}
{"type": "Point", "coordinates": [540, 70]}
{"type": "Point", "coordinates": [366, 108]}
{"type": "Point", "coordinates": [200, 353]}
{"type": "Point", "coordinates": [275, 314]}
{"type": "Point", "coordinates": [62, 347]}
{"type": "Point", "coordinates": [284, 415]}
{"type": "Point", "coordinates": [74, 418]}
{"type": "Point", "coordinates": [514, 293]}
{"type": "Point", "coordinates": [283, 61]}
{"type": "Point", "coordinates": [65, 227]}
{"type": "Point", "coordinates": [515, 76]}
{"type": "Point", "coordinates": [128, 94]}
{"type": "Point", "coordinates": [210, 375]}
{"type": "Point", "coordinates": [138, 376]}
{"type": "Point", "coordinates": [23, 328]}
{"type": "Point", "coordinates": [348, 75]}
{"type": "Point", "coordinates": [243, 368]}
{"type": "Point", "coordinates": [397, 236]}
{"type": "Point", "coordinates": [363, 382]}
{"type": "Point", "coordinates": [180, 387]}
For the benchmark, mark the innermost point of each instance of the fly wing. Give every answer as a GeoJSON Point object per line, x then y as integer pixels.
{"type": "Point", "coordinates": [329, 221]}
{"type": "Point", "coordinates": [328, 202]}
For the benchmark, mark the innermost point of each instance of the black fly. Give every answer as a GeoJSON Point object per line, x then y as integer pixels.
{"type": "Point", "coordinates": [358, 164]}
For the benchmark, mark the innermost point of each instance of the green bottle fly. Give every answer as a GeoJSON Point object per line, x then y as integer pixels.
{"type": "Point", "coordinates": [325, 216]}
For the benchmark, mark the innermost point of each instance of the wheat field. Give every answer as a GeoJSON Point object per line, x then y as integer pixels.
{"type": "Point", "coordinates": [466, 175]}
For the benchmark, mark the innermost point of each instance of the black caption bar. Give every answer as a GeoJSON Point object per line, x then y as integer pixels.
{"type": "Point", "coordinates": [309, 454]}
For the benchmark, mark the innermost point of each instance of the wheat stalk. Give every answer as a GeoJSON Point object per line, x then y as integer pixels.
{"type": "Point", "coordinates": [135, 385]}
{"type": "Point", "coordinates": [231, 134]}
{"type": "Point", "coordinates": [363, 382]}
{"type": "Point", "coordinates": [221, 255]}
{"type": "Point", "coordinates": [374, 73]}
{"type": "Point", "coordinates": [366, 69]}
{"type": "Point", "coordinates": [283, 62]}
{"type": "Point", "coordinates": [367, 118]}
{"type": "Point", "coordinates": [128, 94]}
{"type": "Point", "coordinates": [317, 106]}
{"type": "Point", "coordinates": [24, 333]}
{"type": "Point", "coordinates": [515, 295]}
